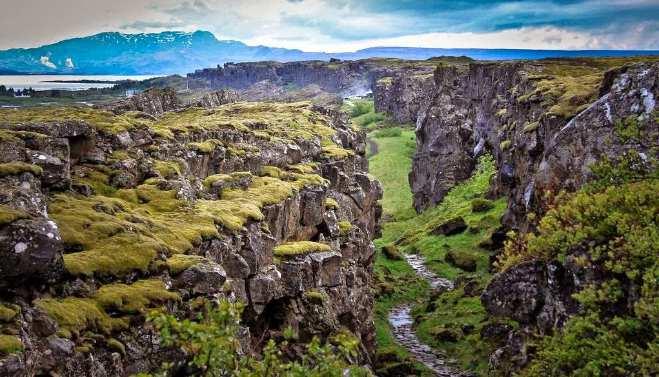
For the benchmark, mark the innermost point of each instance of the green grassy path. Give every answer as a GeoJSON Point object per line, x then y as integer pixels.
{"type": "Point", "coordinates": [452, 320]}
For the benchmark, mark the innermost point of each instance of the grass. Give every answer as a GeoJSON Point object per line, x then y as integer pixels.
{"type": "Point", "coordinates": [567, 86]}
{"type": "Point", "coordinates": [391, 166]}
{"type": "Point", "coordinates": [17, 167]}
{"type": "Point", "coordinates": [397, 283]}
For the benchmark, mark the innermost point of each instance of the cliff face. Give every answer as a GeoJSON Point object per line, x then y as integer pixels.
{"type": "Point", "coordinates": [519, 112]}
{"type": "Point", "coordinates": [105, 216]}
{"type": "Point", "coordinates": [546, 123]}
{"type": "Point", "coordinates": [344, 78]}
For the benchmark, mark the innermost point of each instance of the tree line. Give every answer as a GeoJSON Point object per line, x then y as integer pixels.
{"type": "Point", "coordinates": [11, 92]}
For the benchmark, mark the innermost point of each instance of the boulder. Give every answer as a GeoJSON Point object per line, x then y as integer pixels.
{"type": "Point", "coordinates": [204, 278]}
{"type": "Point", "coordinates": [327, 268]}
{"type": "Point", "coordinates": [30, 250]}
{"type": "Point", "coordinates": [453, 226]}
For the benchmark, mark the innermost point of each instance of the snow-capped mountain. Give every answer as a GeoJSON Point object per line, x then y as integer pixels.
{"type": "Point", "coordinates": [158, 53]}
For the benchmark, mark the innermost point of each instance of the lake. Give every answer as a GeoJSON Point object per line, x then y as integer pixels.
{"type": "Point", "coordinates": [41, 82]}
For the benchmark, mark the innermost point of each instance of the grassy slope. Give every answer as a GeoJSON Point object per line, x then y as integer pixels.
{"type": "Point", "coordinates": [391, 166]}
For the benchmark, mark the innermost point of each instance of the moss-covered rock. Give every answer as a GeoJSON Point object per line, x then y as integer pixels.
{"type": "Point", "coordinates": [10, 344]}
{"type": "Point", "coordinates": [462, 259]}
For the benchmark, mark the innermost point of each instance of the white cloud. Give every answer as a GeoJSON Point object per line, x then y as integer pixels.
{"type": "Point", "coordinates": [334, 25]}
{"type": "Point", "coordinates": [46, 61]}
{"type": "Point", "coordinates": [69, 63]}
{"type": "Point", "coordinates": [539, 38]}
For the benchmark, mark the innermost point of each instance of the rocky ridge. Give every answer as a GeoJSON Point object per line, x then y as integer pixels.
{"type": "Point", "coordinates": [546, 123]}
{"type": "Point", "coordinates": [105, 216]}
{"type": "Point", "coordinates": [268, 80]}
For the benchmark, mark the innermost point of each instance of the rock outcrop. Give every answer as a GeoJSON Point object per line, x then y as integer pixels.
{"type": "Point", "coordinates": [103, 217]}
{"type": "Point", "coordinates": [268, 80]}
{"type": "Point", "coordinates": [545, 122]}
{"type": "Point", "coordinates": [154, 101]}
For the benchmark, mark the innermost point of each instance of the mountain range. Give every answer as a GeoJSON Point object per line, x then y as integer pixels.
{"type": "Point", "coordinates": [113, 53]}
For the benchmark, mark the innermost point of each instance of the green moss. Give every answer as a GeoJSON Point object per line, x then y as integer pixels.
{"type": "Point", "coordinates": [331, 203]}
{"type": "Point", "coordinates": [9, 215]}
{"type": "Point", "coordinates": [116, 345]}
{"type": "Point", "coordinates": [101, 120]}
{"type": "Point", "coordinates": [226, 178]}
{"type": "Point", "coordinates": [168, 169]}
{"type": "Point", "coordinates": [567, 86]}
{"type": "Point", "coordinates": [344, 227]}
{"type": "Point", "coordinates": [120, 235]}
{"type": "Point", "coordinates": [205, 147]}
{"type": "Point", "coordinates": [135, 297]}
{"type": "Point", "coordinates": [16, 167]}
{"type": "Point", "coordinates": [505, 145]}
{"type": "Point", "coordinates": [502, 112]}
{"type": "Point", "coordinates": [628, 128]}
{"type": "Point", "coordinates": [315, 297]}
{"type": "Point", "coordinates": [333, 151]}
{"type": "Point", "coordinates": [292, 249]}
{"type": "Point", "coordinates": [75, 315]}
{"type": "Point", "coordinates": [7, 313]}
{"type": "Point", "coordinates": [481, 205]}
{"type": "Point", "coordinates": [177, 263]}
{"type": "Point", "coordinates": [531, 126]}
{"type": "Point", "coordinates": [10, 344]}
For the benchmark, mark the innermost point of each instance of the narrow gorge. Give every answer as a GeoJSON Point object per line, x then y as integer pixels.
{"type": "Point", "coordinates": [443, 217]}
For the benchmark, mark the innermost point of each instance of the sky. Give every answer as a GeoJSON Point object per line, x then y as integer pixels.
{"type": "Point", "coordinates": [347, 25]}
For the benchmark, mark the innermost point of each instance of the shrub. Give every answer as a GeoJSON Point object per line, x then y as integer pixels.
{"type": "Point", "coordinates": [212, 342]}
{"type": "Point", "coordinates": [361, 107]}
{"type": "Point", "coordinates": [388, 132]}
{"type": "Point", "coordinates": [610, 229]}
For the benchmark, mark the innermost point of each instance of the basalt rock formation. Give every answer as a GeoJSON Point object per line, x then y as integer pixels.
{"type": "Point", "coordinates": [546, 123]}
{"type": "Point", "coordinates": [104, 216]}
{"type": "Point", "coordinates": [268, 80]}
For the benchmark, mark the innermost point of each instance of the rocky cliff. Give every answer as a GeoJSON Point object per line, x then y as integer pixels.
{"type": "Point", "coordinates": [267, 80]}
{"type": "Point", "coordinates": [545, 122]}
{"type": "Point", "coordinates": [104, 217]}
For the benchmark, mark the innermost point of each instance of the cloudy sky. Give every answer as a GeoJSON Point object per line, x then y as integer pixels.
{"type": "Point", "coordinates": [347, 25]}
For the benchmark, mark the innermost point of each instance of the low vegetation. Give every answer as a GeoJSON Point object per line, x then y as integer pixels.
{"type": "Point", "coordinates": [212, 343]}
{"type": "Point", "coordinates": [292, 249]}
{"type": "Point", "coordinates": [608, 226]}
{"type": "Point", "coordinates": [568, 86]}
{"type": "Point", "coordinates": [405, 232]}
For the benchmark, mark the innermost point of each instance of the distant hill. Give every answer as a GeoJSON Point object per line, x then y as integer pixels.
{"type": "Point", "coordinates": [178, 52]}
{"type": "Point", "coordinates": [129, 54]}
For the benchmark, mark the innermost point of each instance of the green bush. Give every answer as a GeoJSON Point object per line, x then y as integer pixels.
{"type": "Point", "coordinates": [213, 345]}
{"type": "Point", "coordinates": [611, 229]}
{"type": "Point", "coordinates": [368, 119]}
{"type": "Point", "coordinates": [361, 107]}
{"type": "Point", "coordinates": [388, 132]}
